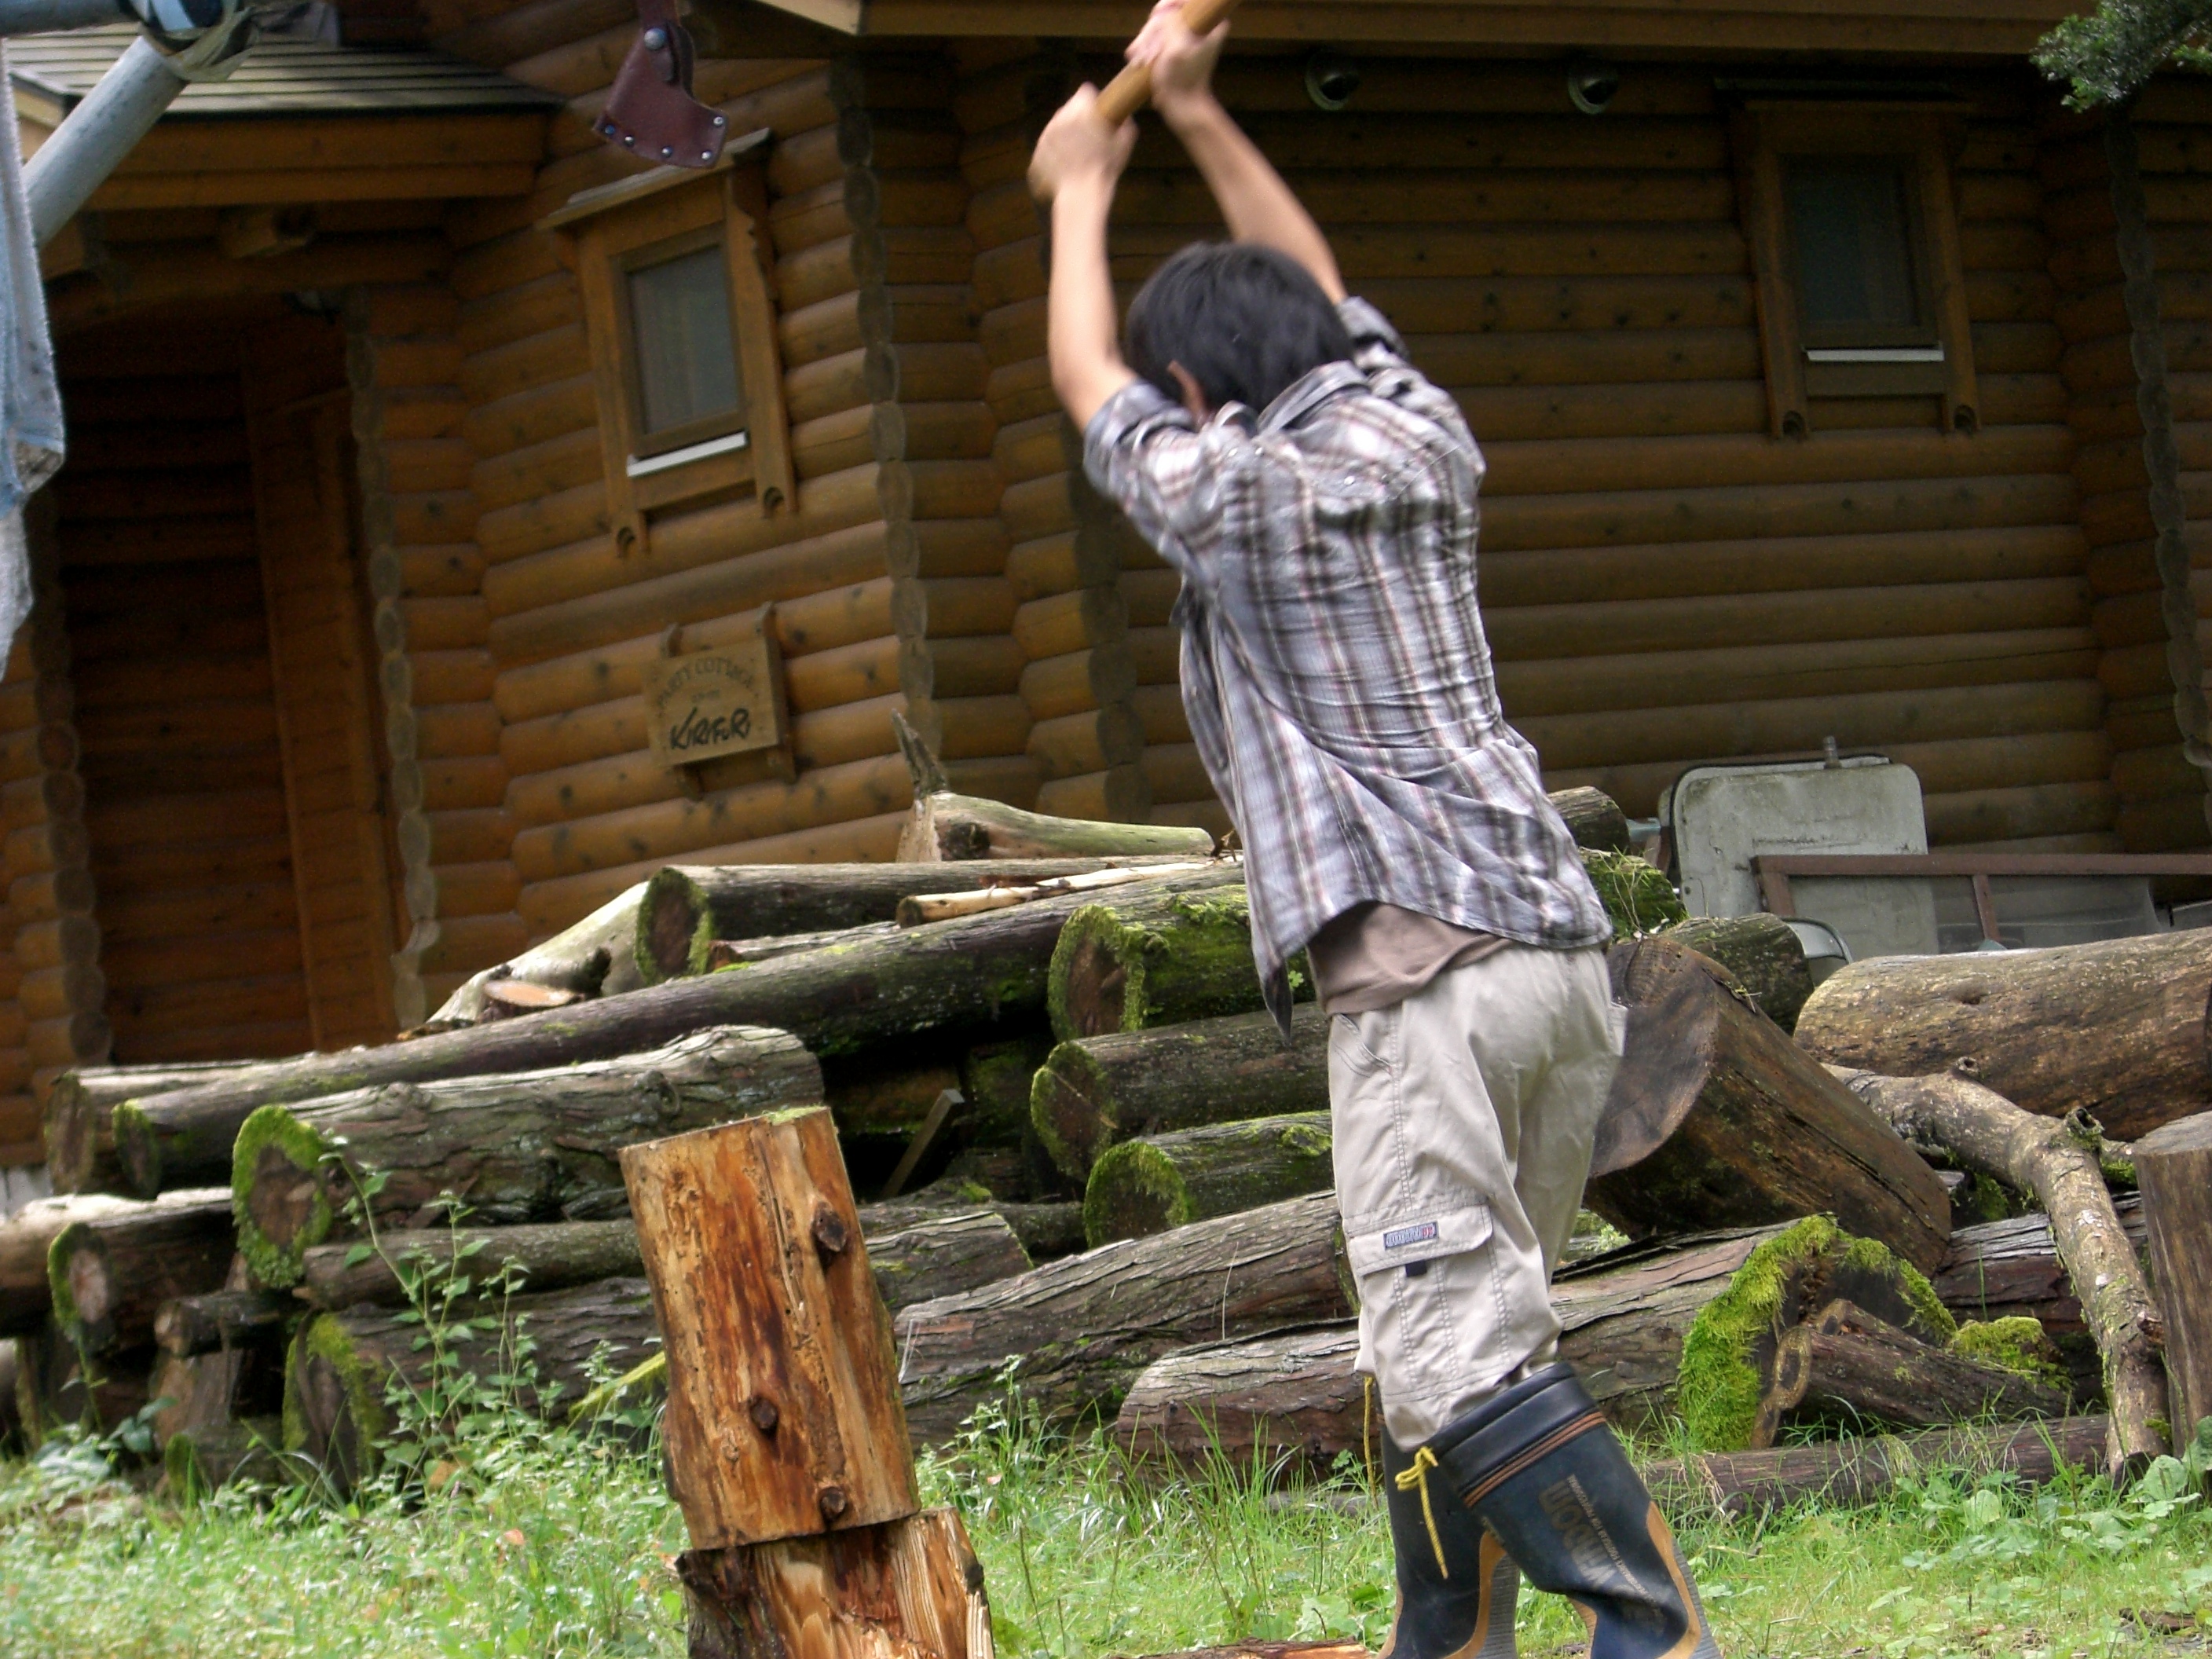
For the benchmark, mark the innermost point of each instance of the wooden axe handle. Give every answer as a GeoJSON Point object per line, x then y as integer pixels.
{"type": "Point", "coordinates": [1132, 89]}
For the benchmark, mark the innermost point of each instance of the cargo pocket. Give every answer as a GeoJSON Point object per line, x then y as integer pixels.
{"type": "Point", "coordinates": [1430, 1299]}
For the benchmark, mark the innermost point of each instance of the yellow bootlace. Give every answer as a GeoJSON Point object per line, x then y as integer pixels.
{"type": "Point", "coordinates": [1417, 1480]}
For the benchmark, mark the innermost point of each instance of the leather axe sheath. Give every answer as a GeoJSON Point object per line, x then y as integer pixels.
{"type": "Point", "coordinates": [651, 110]}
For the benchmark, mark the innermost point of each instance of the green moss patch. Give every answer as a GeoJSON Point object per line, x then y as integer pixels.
{"type": "Point", "coordinates": [1637, 895]}
{"type": "Point", "coordinates": [67, 1242]}
{"type": "Point", "coordinates": [280, 1198]}
{"type": "Point", "coordinates": [1071, 1136]}
{"type": "Point", "coordinates": [2017, 1345]}
{"type": "Point", "coordinates": [1135, 1189]}
{"type": "Point", "coordinates": [1784, 1280]}
{"type": "Point", "coordinates": [358, 1395]}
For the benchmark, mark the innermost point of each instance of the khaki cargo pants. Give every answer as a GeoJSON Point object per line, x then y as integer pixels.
{"type": "Point", "coordinates": [1461, 1120]}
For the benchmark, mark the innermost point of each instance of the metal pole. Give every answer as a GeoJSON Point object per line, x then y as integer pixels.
{"type": "Point", "coordinates": [95, 136]}
{"type": "Point", "coordinates": [51, 16]}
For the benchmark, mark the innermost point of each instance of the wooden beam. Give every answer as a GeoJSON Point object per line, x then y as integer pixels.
{"type": "Point", "coordinates": [315, 182]}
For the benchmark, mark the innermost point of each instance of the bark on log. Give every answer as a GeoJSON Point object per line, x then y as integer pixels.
{"type": "Point", "coordinates": [25, 1239]}
{"type": "Point", "coordinates": [969, 975]}
{"type": "Point", "coordinates": [1150, 956]}
{"type": "Point", "coordinates": [1045, 1230]}
{"type": "Point", "coordinates": [339, 1363]}
{"type": "Point", "coordinates": [596, 957]}
{"type": "Point", "coordinates": [51, 1385]}
{"type": "Point", "coordinates": [1762, 952]}
{"type": "Point", "coordinates": [783, 1414]}
{"type": "Point", "coordinates": [80, 1126]}
{"type": "Point", "coordinates": [1847, 1367]}
{"type": "Point", "coordinates": [193, 1325]}
{"type": "Point", "coordinates": [1288, 1393]}
{"type": "Point", "coordinates": [1594, 819]}
{"type": "Point", "coordinates": [1143, 1187]}
{"type": "Point", "coordinates": [2174, 1165]}
{"type": "Point", "coordinates": [684, 910]}
{"type": "Point", "coordinates": [1092, 1092]}
{"type": "Point", "coordinates": [1986, 1133]}
{"type": "Point", "coordinates": [110, 1276]}
{"type": "Point", "coordinates": [912, 1587]}
{"type": "Point", "coordinates": [207, 1391]}
{"type": "Point", "coordinates": [1862, 1472]}
{"type": "Point", "coordinates": [743, 952]}
{"type": "Point", "coordinates": [1084, 1329]}
{"type": "Point", "coordinates": [937, 1256]}
{"type": "Point", "coordinates": [1717, 1119]}
{"type": "Point", "coordinates": [2004, 1269]}
{"type": "Point", "coordinates": [2116, 1029]}
{"type": "Point", "coordinates": [945, 827]}
{"type": "Point", "coordinates": [529, 1146]}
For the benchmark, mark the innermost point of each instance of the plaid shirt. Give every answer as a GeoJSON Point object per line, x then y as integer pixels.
{"type": "Point", "coordinates": [1338, 683]}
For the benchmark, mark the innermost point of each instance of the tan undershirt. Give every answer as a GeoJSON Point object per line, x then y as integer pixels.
{"type": "Point", "coordinates": [1375, 955]}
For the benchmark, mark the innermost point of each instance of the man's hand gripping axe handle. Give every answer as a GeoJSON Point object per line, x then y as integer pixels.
{"type": "Point", "coordinates": [1132, 89]}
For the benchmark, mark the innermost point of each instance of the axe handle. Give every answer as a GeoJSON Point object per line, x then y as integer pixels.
{"type": "Point", "coordinates": [1129, 91]}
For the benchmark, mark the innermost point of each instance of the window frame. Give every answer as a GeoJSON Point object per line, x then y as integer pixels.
{"type": "Point", "coordinates": [1922, 135]}
{"type": "Point", "coordinates": [638, 222]}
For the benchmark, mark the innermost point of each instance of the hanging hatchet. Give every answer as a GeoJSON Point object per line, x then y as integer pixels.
{"type": "Point", "coordinates": [651, 110]}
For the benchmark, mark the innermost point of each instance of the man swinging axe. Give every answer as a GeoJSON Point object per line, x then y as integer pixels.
{"type": "Point", "coordinates": [1267, 434]}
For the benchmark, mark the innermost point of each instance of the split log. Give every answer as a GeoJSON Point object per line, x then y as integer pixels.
{"type": "Point", "coordinates": [783, 1411]}
{"type": "Point", "coordinates": [217, 1319]}
{"type": "Point", "coordinates": [1764, 954]}
{"type": "Point", "coordinates": [109, 1276]}
{"type": "Point", "coordinates": [80, 1129]}
{"type": "Point", "coordinates": [1095, 1091]}
{"type": "Point", "coordinates": [595, 958]}
{"type": "Point", "coordinates": [528, 1146]}
{"type": "Point", "coordinates": [910, 1587]}
{"type": "Point", "coordinates": [1594, 819]}
{"type": "Point", "coordinates": [966, 974]}
{"type": "Point", "coordinates": [1984, 1132]}
{"type": "Point", "coordinates": [684, 910]}
{"type": "Point", "coordinates": [2175, 1166]}
{"type": "Point", "coordinates": [1153, 956]}
{"type": "Point", "coordinates": [1716, 1118]}
{"type": "Point", "coordinates": [1862, 1472]}
{"type": "Point", "coordinates": [26, 1238]}
{"type": "Point", "coordinates": [1084, 1329]}
{"type": "Point", "coordinates": [339, 1365]}
{"type": "Point", "coordinates": [249, 1450]}
{"type": "Point", "coordinates": [2116, 1029]}
{"type": "Point", "coordinates": [945, 827]}
{"type": "Point", "coordinates": [1143, 1187]}
{"type": "Point", "coordinates": [1846, 1366]}
{"type": "Point", "coordinates": [938, 1256]}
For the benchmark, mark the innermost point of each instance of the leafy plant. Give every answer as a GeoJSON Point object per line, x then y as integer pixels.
{"type": "Point", "coordinates": [2108, 55]}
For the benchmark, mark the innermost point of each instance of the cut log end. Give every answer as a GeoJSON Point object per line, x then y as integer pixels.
{"type": "Point", "coordinates": [1071, 1110]}
{"type": "Point", "coordinates": [280, 1197]}
{"type": "Point", "coordinates": [674, 922]}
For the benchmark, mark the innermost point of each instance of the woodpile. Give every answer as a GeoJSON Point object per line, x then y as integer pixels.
{"type": "Point", "coordinates": [1066, 1153]}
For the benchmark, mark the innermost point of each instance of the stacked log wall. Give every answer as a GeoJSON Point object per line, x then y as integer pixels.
{"type": "Point", "coordinates": [1664, 583]}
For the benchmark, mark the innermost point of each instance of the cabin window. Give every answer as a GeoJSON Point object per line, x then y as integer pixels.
{"type": "Point", "coordinates": [1854, 241]}
{"type": "Point", "coordinates": [682, 339]}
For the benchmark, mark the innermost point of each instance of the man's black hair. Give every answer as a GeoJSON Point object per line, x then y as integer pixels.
{"type": "Point", "coordinates": [1247, 322]}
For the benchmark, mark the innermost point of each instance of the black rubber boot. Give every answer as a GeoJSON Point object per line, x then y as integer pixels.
{"type": "Point", "coordinates": [1460, 1607]}
{"type": "Point", "coordinates": [1540, 1466]}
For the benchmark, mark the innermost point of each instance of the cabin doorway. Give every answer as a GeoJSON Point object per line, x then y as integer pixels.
{"type": "Point", "coordinates": [228, 731]}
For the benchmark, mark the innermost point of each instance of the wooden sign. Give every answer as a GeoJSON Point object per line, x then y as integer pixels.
{"type": "Point", "coordinates": [726, 701]}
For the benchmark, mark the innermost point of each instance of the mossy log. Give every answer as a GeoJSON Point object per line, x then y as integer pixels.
{"type": "Point", "coordinates": [207, 1391]}
{"type": "Point", "coordinates": [686, 908]}
{"type": "Point", "coordinates": [595, 958]}
{"type": "Point", "coordinates": [1142, 956]}
{"type": "Point", "coordinates": [1594, 819]}
{"type": "Point", "coordinates": [1094, 1091]}
{"type": "Point", "coordinates": [1764, 954]}
{"type": "Point", "coordinates": [527, 1146]}
{"type": "Point", "coordinates": [1083, 1328]}
{"type": "Point", "coordinates": [1716, 1118]}
{"type": "Point", "coordinates": [340, 1364]}
{"type": "Point", "coordinates": [945, 828]}
{"type": "Point", "coordinates": [2058, 1164]}
{"type": "Point", "coordinates": [1638, 899]}
{"type": "Point", "coordinates": [744, 952]}
{"type": "Point", "coordinates": [1845, 1366]}
{"type": "Point", "coordinates": [109, 1276]}
{"type": "Point", "coordinates": [217, 1319]}
{"type": "Point", "coordinates": [197, 1461]}
{"type": "Point", "coordinates": [80, 1120]}
{"type": "Point", "coordinates": [970, 975]}
{"type": "Point", "coordinates": [1854, 1473]}
{"type": "Point", "coordinates": [997, 1078]}
{"type": "Point", "coordinates": [1143, 1187]}
{"type": "Point", "coordinates": [1625, 1320]}
{"type": "Point", "coordinates": [2116, 1029]}
{"type": "Point", "coordinates": [26, 1238]}
{"type": "Point", "coordinates": [51, 1391]}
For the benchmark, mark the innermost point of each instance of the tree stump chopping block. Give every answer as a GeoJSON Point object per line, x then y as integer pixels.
{"type": "Point", "coordinates": [2174, 1165]}
{"type": "Point", "coordinates": [1717, 1119]}
{"type": "Point", "coordinates": [784, 1419]}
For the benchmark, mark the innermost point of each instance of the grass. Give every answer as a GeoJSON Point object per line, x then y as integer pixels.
{"type": "Point", "coordinates": [540, 1542]}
